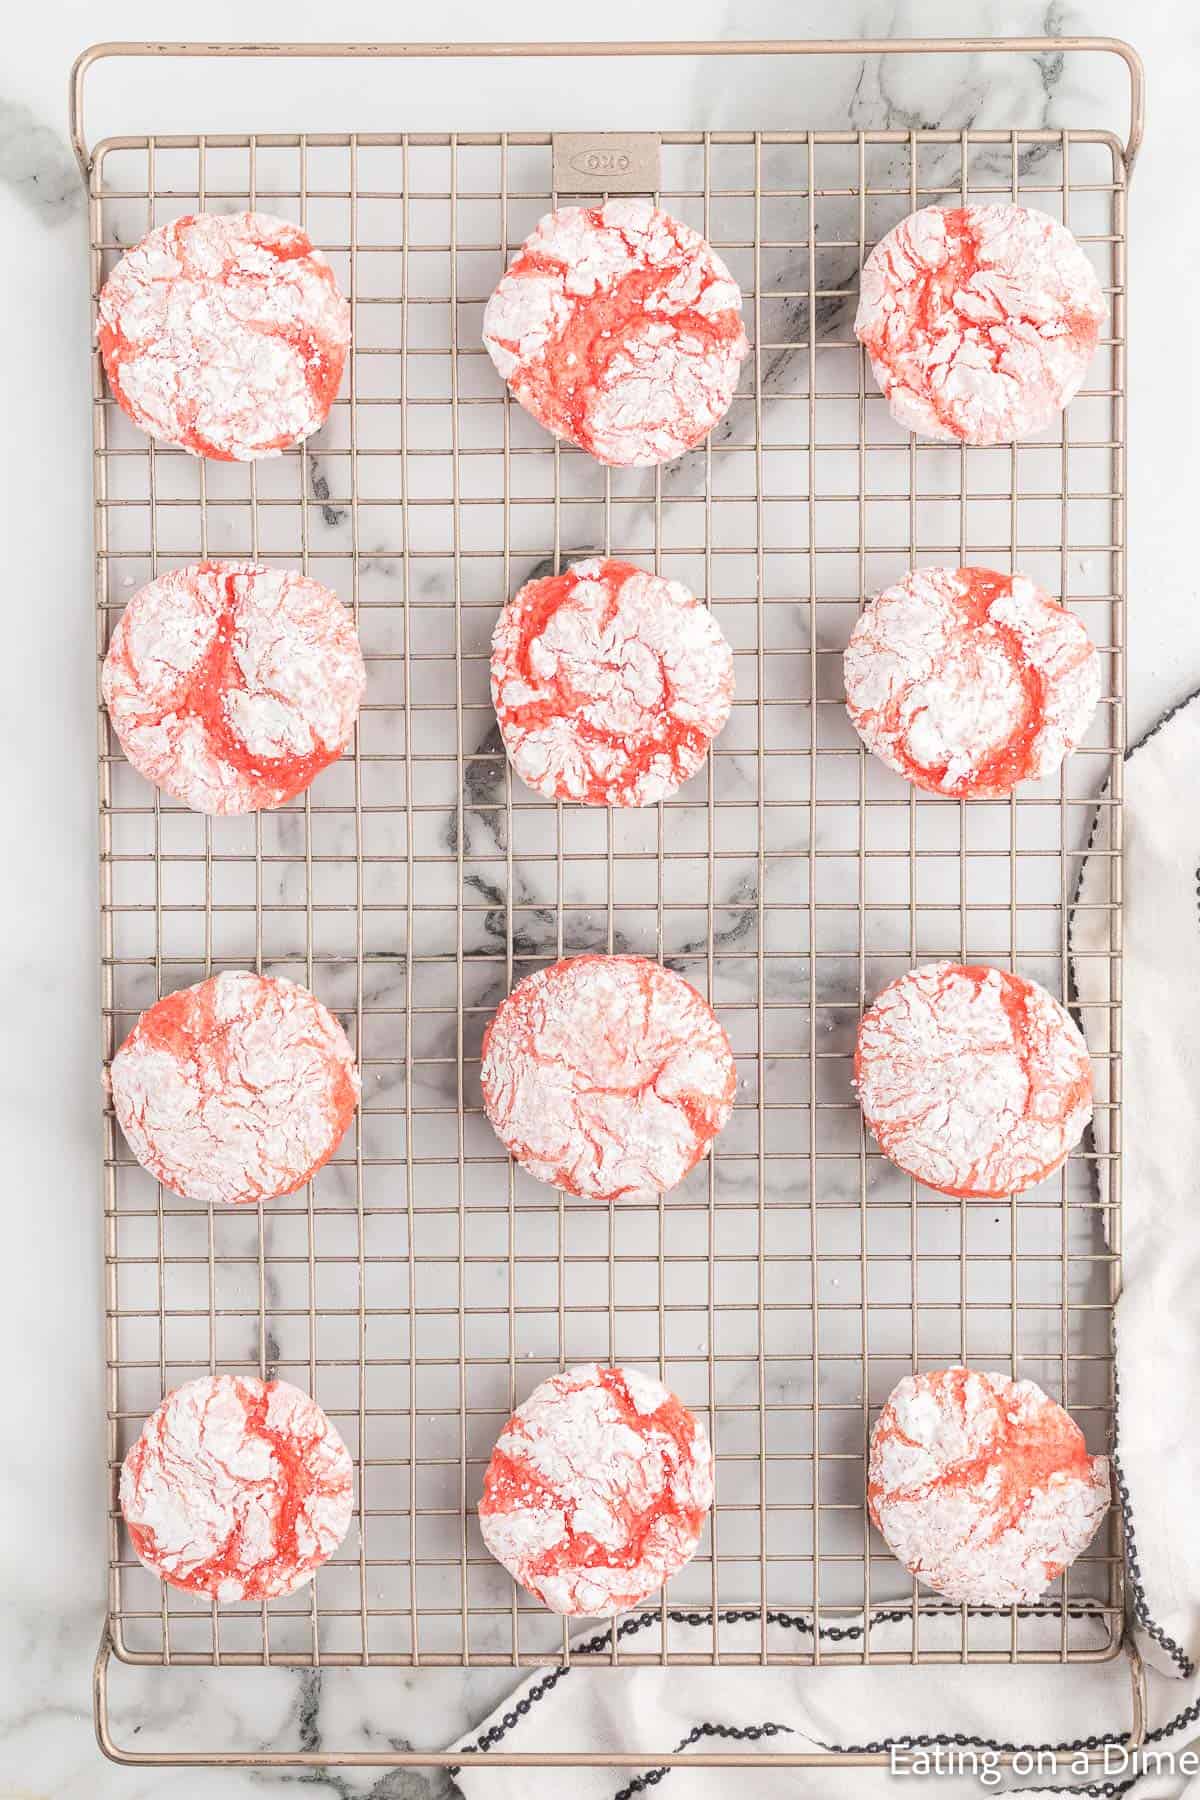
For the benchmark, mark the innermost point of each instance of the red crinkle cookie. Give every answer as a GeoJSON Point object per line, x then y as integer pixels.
{"type": "Point", "coordinates": [236, 1090]}
{"type": "Point", "coordinates": [983, 1487]}
{"type": "Point", "coordinates": [609, 684]}
{"type": "Point", "coordinates": [232, 686]}
{"type": "Point", "coordinates": [974, 1080]}
{"type": "Point", "coordinates": [979, 321]}
{"type": "Point", "coordinates": [608, 1076]}
{"type": "Point", "coordinates": [237, 1488]}
{"type": "Point", "coordinates": [225, 334]}
{"type": "Point", "coordinates": [597, 1490]}
{"type": "Point", "coordinates": [966, 681]}
{"type": "Point", "coordinates": [620, 329]}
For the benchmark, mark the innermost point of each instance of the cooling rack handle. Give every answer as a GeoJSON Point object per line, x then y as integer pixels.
{"type": "Point", "coordinates": [534, 1759]}
{"type": "Point", "coordinates": [1030, 46]}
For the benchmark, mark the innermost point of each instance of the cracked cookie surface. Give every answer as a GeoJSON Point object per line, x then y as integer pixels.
{"type": "Point", "coordinates": [975, 1081]}
{"type": "Point", "coordinates": [619, 329]}
{"type": "Point", "coordinates": [983, 1487]}
{"type": "Point", "coordinates": [968, 681]}
{"type": "Point", "coordinates": [979, 321]}
{"type": "Point", "coordinates": [236, 1090]}
{"type": "Point", "coordinates": [597, 1490]}
{"type": "Point", "coordinates": [609, 684]}
{"type": "Point", "coordinates": [608, 1076]}
{"type": "Point", "coordinates": [224, 334]}
{"type": "Point", "coordinates": [231, 686]}
{"type": "Point", "coordinates": [237, 1488]}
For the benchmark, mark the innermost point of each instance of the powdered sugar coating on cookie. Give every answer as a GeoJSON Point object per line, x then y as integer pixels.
{"type": "Point", "coordinates": [597, 1490]}
{"type": "Point", "coordinates": [236, 1090]}
{"type": "Point", "coordinates": [237, 1488]}
{"type": "Point", "coordinates": [967, 681]}
{"type": "Point", "coordinates": [620, 329]}
{"type": "Point", "coordinates": [979, 321]}
{"type": "Point", "coordinates": [609, 684]}
{"type": "Point", "coordinates": [973, 1080]}
{"type": "Point", "coordinates": [225, 335]}
{"type": "Point", "coordinates": [983, 1487]}
{"type": "Point", "coordinates": [232, 686]}
{"type": "Point", "coordinates": [607, 1076]}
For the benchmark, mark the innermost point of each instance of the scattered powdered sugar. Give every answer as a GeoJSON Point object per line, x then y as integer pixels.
{"type": "Point", "coordinates": [237, 1488]}
{"type": "Point", "coordinates": [232, 686]}
{"type": "Point", "coordinates": [983, 1487]}
{"type": "Point", "coordinates": [607, 1076]}
{"type": "Point", "coordinates": [620, 329]}
{"type": "Point", "coordinates": [973, 1080]}
{"type": "Point", "coordinates": [966, 681]}
{"type": "Point", "coordinates": [609, 684]}
{"type": "Point", "coordinates": [225, 334]}
{"type": "Point", "coordinates": [236, 1090]}
{"type": "Point", "coordinates": [597, 1490]}
{"type": "Point", "coordinates": [979, 321]}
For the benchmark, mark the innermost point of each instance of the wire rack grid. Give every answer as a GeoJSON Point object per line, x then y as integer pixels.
{"type": "Point", "coordinates": [422, 1285]}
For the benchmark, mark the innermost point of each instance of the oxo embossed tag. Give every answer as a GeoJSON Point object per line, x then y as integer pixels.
{"type": "Point", "coordinates": [606, 162]}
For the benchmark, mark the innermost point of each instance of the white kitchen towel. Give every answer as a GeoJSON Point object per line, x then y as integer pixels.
{"type": "Point", "coordinates": [955, 1717]}
{"type": "Point", "coordinates": [1157, 1360]}
{"type": "Point", "coordinates": [952, 1723]}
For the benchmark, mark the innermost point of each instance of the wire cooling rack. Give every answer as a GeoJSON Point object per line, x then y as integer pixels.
{"type": "Point", "coordinates": [422, 1285]}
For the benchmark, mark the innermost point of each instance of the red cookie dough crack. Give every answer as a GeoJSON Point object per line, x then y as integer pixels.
{"type": "Point", "coordinates": [235, 1091]}
{"type": "Point", "coordinates": [597, 1490]}
{"type": "Point", "coordinates": [619, 328]}
{"type": "Point", "coordinates": [983, 1487]}
{"type": "Point", "coordinates": [973, 1080]}
{"type": "Point", "coordinates": [232, 686]}
{"type": "Point", "coordinates": [608, 1076]}
{"type": "Point", "coordinates": [224, 334]}
{"type": "Point", "coordinates": [237, 1488]}
{"type": "Point", "coordinates": [979, 321]}
{"type": "Point", "coordinates": [966, 681]}
{"type": "Point", "coordinates": [609, 684]}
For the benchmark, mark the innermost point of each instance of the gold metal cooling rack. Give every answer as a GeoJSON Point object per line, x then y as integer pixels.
{"type": "Point", "coordinates": [421, 1285]}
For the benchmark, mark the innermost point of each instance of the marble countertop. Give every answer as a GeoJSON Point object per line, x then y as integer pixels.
{"type": "Point", "coordinates": [50, 1486]}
